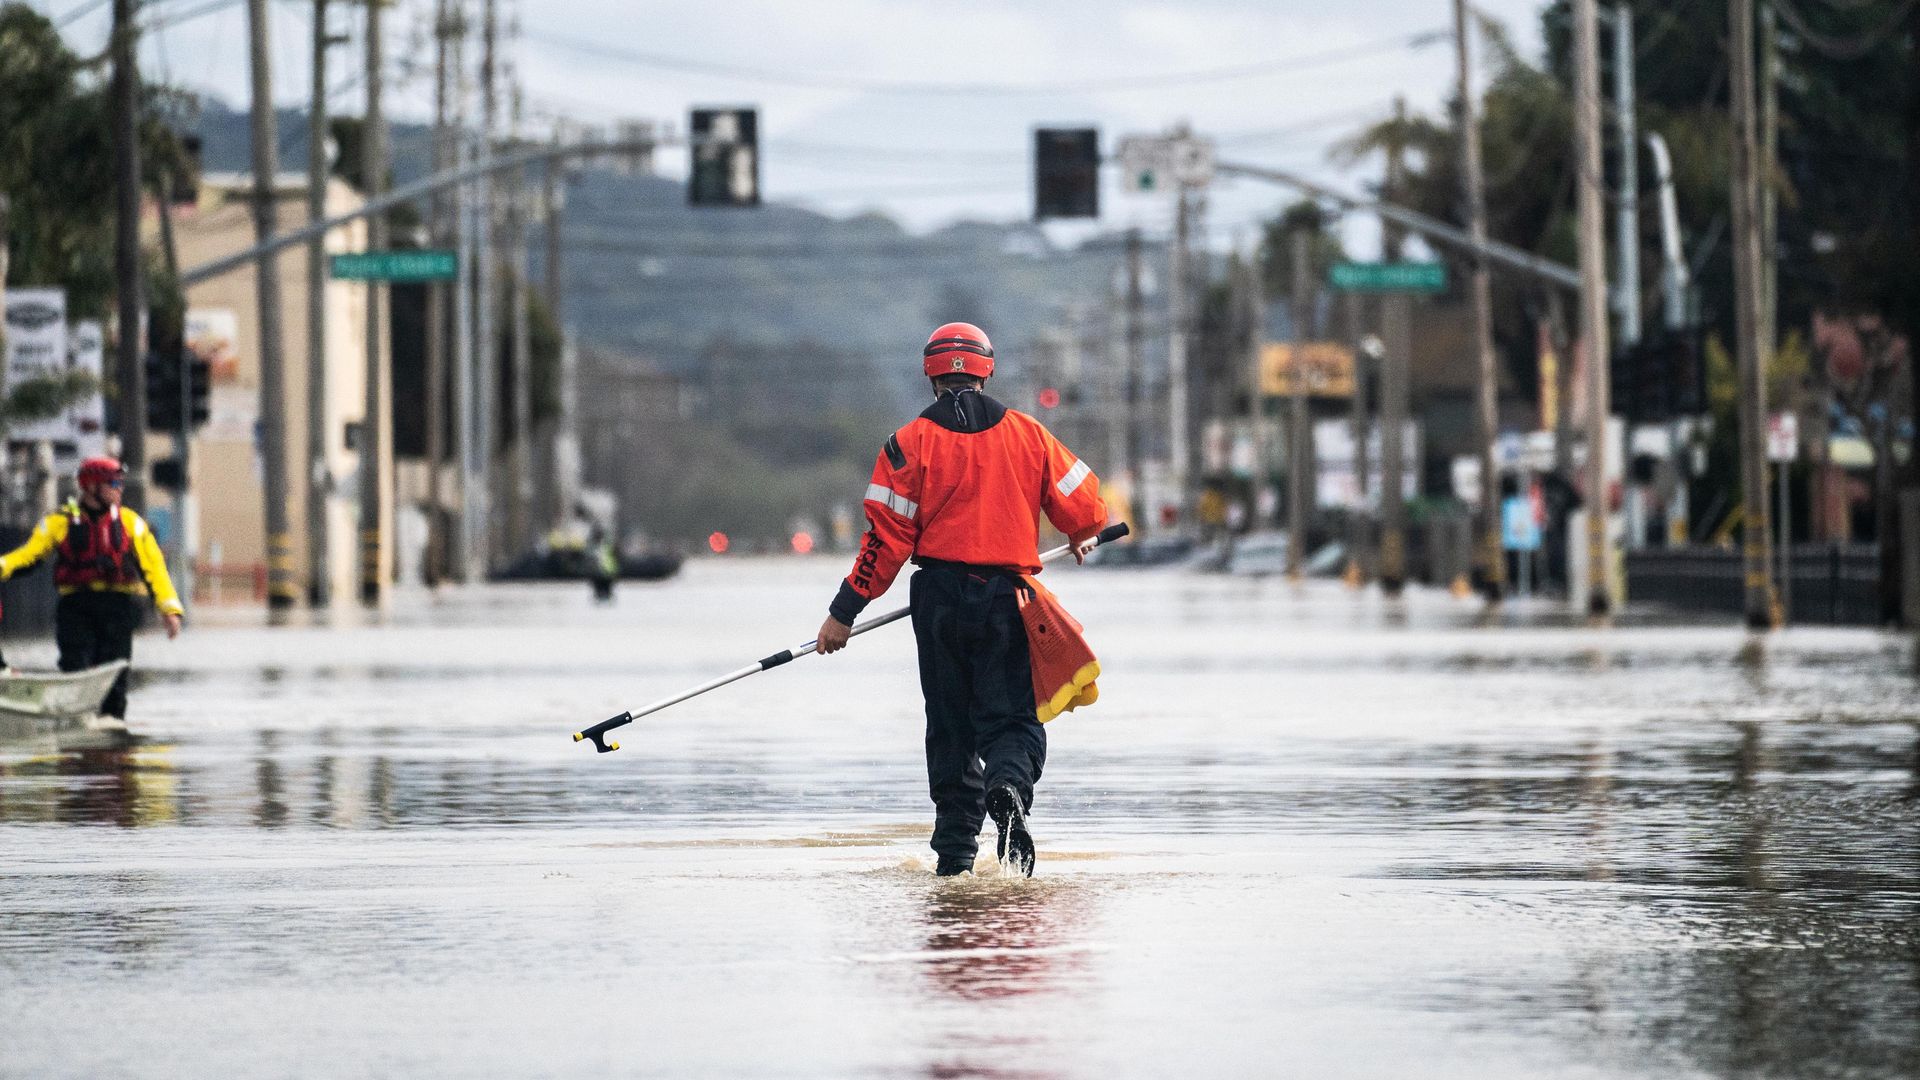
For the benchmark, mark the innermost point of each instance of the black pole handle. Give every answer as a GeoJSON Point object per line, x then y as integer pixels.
{"type": "Point", "coordinates": [598, 733]}
{"type": "Point", "coordinates": [1112, 532]}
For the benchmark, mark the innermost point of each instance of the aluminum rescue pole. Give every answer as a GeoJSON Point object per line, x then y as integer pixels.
{"type": "Point", "coordinates": [598, 732]}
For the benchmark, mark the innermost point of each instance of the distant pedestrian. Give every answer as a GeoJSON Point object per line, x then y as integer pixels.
{"type": "Point", "coordinates": [605, 564]}
{"type": "Point", "coordinates": [960, 491]}
{"type": "Point", "coordinates": [105, 560]}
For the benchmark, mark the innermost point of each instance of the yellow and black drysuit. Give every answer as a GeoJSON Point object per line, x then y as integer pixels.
{"type": "Point", "coordinates": [104, 561]}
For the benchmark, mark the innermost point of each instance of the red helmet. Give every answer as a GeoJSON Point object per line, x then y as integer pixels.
{"type": "Point", "coordinates": [101, 470]}
{"type": "Point", "coordinates": [958, 347]}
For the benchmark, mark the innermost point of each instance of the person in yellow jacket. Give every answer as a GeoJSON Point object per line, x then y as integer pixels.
{"type": "Point", "coordinates": [105, 559]}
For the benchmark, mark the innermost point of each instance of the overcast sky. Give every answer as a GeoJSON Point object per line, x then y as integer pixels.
{"type": "Point", "coordinates": [848, 121]}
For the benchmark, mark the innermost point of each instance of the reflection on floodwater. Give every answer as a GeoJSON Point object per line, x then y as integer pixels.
{"type": "Point", "coordinates": [1306, 833]}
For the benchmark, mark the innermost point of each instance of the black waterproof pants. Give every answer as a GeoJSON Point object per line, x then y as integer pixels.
{"type": "Point", "coordinates": [92, 628]}
{"type": "Point", "coordinates": [978, 682]}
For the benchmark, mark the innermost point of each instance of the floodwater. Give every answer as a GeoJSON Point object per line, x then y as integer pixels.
{"type": "Point", "coordinates": [1302, 833]}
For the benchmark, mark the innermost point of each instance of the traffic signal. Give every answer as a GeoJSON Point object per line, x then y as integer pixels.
{"type": "Point", "coordinates": [163, 391]}
{"type": "Point", "coordinates": [1049, 398]}
{"type": "Point", "coordinates": [726, 158]}
{"type": "Point", "coordinates": [1659, 378]}
{"type": "Point", "coordinates": [168, 474]}
{"type": "Point", "coordinates": [1066, 173]}
{"type": "Point", "coordinates": [200, 388]}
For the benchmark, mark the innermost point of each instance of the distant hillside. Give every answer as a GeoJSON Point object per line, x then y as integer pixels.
{"type": "Point", "coordinates": [651, 277]}
{"type": "Point", "coordinates": [798, 334]}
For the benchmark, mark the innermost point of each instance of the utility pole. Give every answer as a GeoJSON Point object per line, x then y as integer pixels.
{"type": "Point", "coordinates": [282, 591]}
{"type": "Point", "coordinates": [460, 546]}
{"type": "Point", "coordinates": [1909, 320]}
{"type": "Point", "coordinates": [4, 207]}
{"type": "Point", "coordinates": [129, 370]}
{"type": "Point", "coordinates": [1396, 319]}
{"type": "Point", "coordinates": [1752, 349]}
{"type": "Point", "coordinates": [1135, 335]}
{"type": "Point", "coordinates": [443, 158]}
{"type": "Point", "coordinates": [1253, 300]}
{"type": "Point", "coordinates": [486, 309]}
{"type": "Point", "coordinates": [1492, 558]}
{"type": "Point", "coordinates": [373, 447]}
{"type": "Point", "coordinates": [1769, 166]}
{"type": "Point", "coordinates": [1593, 295]}
{"type": "Point", "coordinates": [1396, 334]}
{"type": "Point", "coordinates": [521, 536]}
{"type": "Point", "coordinates": [1299, 438]}
{"type": "Point", "coordinates": [565, 445]}
{"type": "Point", "coordinates": [319, 475]}
{"type": "Point", "coordinates": [1180, 324]}
{"type": "Point", "coordinates": [1768, 205]}
{"type": "Point", "coordinates": [1357, 520]}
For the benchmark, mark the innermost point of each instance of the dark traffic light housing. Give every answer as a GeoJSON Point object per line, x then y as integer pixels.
{"type": "Point", "coordinates": [726, 158]}
{"type": "Point", "coordinates": [1066, 173]}
{"type": "Point", "coordinates": [168, 401]}
{"type": "Point", "coordinates": [1661, 377]}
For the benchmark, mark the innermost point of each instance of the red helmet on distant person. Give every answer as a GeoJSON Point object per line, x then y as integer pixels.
{"type": "Point", "coordinates": [101, 470]}
{"type": "Point", "coordinates": [958, 347]}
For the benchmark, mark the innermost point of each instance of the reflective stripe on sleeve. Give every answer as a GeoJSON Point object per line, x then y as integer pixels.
{"type": "Point", "coordinates": [1071, 482]}
{"type": "Point", "coordinates": [892, 500]}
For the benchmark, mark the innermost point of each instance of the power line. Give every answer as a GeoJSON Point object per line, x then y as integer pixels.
{"type": "Point", "coordinates": [1302, 62]}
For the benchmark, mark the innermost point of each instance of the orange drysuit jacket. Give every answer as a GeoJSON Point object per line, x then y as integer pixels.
{"type": "Point", "coordinates": [966, 482]}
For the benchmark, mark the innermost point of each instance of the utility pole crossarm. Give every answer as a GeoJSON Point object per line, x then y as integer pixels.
{"type": "Point", "coordinates": [1434, 229]}
{"type": "Point", "coordinates": [407, 193]}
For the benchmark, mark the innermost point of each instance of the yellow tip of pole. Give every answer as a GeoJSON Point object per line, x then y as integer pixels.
{"type": "Point", "coordinates": [613, 746]}
{"type": "Point", "coordinates": [578, 735]}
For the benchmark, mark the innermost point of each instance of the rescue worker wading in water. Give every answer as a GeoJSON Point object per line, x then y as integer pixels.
{"type": "Point", "coordinates": [960, 491]}
{"type": "Point", "coordinates": [105, 560]}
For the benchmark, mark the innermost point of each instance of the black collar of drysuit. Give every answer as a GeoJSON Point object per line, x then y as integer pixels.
{"type": "Point", "coordinates": [965, 410]}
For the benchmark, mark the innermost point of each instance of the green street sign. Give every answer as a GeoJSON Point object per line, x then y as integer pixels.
{"type": "Point", "coordinates": [404, 266]}
{"type": "Point", "coordinates": [1420, 277]}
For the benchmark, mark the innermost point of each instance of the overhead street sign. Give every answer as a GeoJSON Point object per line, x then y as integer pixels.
{"type": "Point", "coordinates": [429, 264]}
{"type": "Point", "coordinates": [1416, 277]}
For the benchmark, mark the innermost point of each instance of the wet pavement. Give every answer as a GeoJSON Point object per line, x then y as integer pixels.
{"type": "Point", "coordinates": [1302, 833]}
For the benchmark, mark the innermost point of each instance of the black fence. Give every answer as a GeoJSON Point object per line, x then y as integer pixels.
{"type": "Point", "coordinates": [1835, 584]}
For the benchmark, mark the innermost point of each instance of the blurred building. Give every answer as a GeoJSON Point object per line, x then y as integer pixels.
{"type": "Point", "coordinates": [225, 516]}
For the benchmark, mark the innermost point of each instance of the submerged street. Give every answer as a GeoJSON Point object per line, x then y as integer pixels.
{"type": "Point", "coordinates": [1303, 832]}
